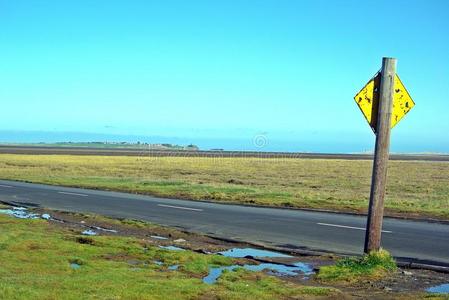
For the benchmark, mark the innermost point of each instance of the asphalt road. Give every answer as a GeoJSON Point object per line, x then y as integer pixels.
{"type": "Point", "coordinates": [273, 227]}
{"type": "Point", "coordinates": [45, 150]}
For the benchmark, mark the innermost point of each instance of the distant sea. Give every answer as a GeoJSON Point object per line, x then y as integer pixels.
{"type": "Point", "coordinates": [251, 143]}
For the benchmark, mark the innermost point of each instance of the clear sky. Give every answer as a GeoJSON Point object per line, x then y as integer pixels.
{"type": "Point", "coordinates": [224, 70]}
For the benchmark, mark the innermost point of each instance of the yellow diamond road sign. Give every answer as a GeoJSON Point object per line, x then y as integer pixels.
{"type": "Point", "coordinates": [367, 100]}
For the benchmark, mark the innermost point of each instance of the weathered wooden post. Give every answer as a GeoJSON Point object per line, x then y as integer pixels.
{"type": "Point", "coordinates": [384, 101]}
{"type": "Point", "coordinates": [381, 155]}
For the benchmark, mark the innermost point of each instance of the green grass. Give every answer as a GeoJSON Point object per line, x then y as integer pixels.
{"type": "Point", "coordinates": [371, 266]}
{"type": "Point", "coordinates": [35, 259]}
{"type": "Point", "coordinates": [415, 189]}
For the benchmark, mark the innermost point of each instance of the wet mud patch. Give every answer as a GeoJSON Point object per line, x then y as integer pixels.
{"type": "Point", "coordinates": [85, 240]}
{"type": "Point", "coordinates": [152, 235]}
{"type": "Point", "coordinates": [251, 253]}
{"type": "Point", "coordinates": [415, 282]}
{"type": "Point", "coordinates": [124, 256]}
{"type": "Point", "coordinates": [277, 270]}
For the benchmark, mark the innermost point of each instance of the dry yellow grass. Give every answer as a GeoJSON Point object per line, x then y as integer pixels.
{"type": "Point", "coordinates": [414, 188]}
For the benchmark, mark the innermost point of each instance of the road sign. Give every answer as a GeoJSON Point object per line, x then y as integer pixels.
{"type": "Point", "coordinates": [367, 100]}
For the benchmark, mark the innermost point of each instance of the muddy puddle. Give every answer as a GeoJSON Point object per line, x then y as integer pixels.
{"type": "Point", "coordinates": [215, 273]}
{"type": "Point", "coordinates": [251, 252]}
{"type": "Point", "coordinates": [439, 289]}
{"type": "Point", "coordinates": [170, 268]}
{"type": "Point", "coordinates": [157, 237]}
{"type": "Point", "coordinates": [275, 269]}
{"type": "Point", "coordinates": [46, 217]}
{"type": "Point", "coordinates": [75, 266]}
{"type": "Point", "coordinates": [89, 232]}
{"type": "Point", "coordinates": [271, 269]}
{"type": "Point", "coordinates": [92, 232]}
{"type": "Point", "coordinates": [104, 229]}
{"type": "Point", "coordinates": [172, 248]}
{"type": "Point", "coordinates": [282, 270]}
{"type": "Point", "coordinates": [23, 213]}
{"type": "Point", "coordinates": [20, 213]}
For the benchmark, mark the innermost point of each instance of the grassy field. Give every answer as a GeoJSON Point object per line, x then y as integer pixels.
{"type": "Point", "coordinates": [36, 260]}
{"type": "Point", "coordinates": [416, 189]}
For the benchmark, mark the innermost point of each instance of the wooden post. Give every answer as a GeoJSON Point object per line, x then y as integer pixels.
{"type": "Point", "coordinates": [381, 155]}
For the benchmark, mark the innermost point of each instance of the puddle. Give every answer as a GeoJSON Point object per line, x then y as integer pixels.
{"type": "Point", "coordinates": [274, 269]}
{"type": "Point", "coordinates": [173, 248]}
{"type": "Point", "coordinates": [439, 289]}
{"type": "Point", "coordinates": [75, 266]}
{"type": "Point", "coordinates": [46, 217]}
{"type": "Point", "coordinates": [250, 252]}
{"type": "Point", "coordinates": [104, 229]}
{"type": "Point", "coordinates": [282, 270]}
{"type": "Point", "coordinates": [215, 273]}
{"type": "Point", "coordinates": [19, 212]}
{"type": "Point", "coordinates": [22, 213]}
{"type": "Point", "coordinates": [159, 237]}
{"type": "Point", "coordinates": [89, 232]}
{"type": "Point", "coordinates": [19, 208]}
{"type": "Point", "coordinates": [171, 268]}
{"type": "Point", "coordinates": [134, 262]}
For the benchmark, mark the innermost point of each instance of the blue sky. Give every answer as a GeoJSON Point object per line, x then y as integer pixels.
{"type": "Point", "coordinates": [223, 70]}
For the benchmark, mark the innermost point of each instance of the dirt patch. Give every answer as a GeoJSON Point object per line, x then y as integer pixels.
{"type": "Point", "coordinates": [404, 281]}
{"type": "Point", "coordinates": [148, 233]}
{"type": "Point", "coordinates": [85, 240]}
{"type": "Point", "coordinates": [235, 181]}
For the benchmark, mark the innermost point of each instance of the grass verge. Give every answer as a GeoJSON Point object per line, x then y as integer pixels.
{"type": "Point", "coordinates": [36, 259]}
{"type": "Point", "coordinates": [375, 265]}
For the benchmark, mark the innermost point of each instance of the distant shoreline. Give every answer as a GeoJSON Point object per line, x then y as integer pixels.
{"type": "Point", "coordinates": [50, 149]}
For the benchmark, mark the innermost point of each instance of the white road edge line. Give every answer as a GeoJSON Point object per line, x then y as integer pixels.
{"type": "Point", "coordinates": [6, 186]}
{"type": "Point", "coordinates": [73, 194]}
{"type": "Point", "coordinates": [349, 227]}
{"type": "Point", "coordinates": [180, 207]}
